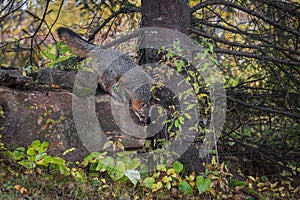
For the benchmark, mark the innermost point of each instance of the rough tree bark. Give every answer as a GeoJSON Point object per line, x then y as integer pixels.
{"type": "Point", "coordinates": [171, 14]}
{"type": "Point", "coordinates": [175, 15]}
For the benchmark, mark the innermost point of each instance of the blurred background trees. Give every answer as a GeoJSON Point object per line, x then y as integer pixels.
{"type": "Point", "coordinates": [256, 44]}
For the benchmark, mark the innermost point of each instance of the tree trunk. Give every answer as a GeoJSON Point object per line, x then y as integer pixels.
{"type": "Point", "coordinates": [175, 15]}
{"type": "Point", "coordinates": [171, 14]}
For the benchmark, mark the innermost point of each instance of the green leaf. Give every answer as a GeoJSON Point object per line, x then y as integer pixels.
{"type": "Point", "coordinates": [108, 163]}
{"type": "Point", "coordinates": [43, 147]}
{"type": "Point", "coordinates": [247, 132]}
{"type": "Point", "coordinates": [203, 184]}
{"type": "Point", "coordinates": [93, 166]}
{"type": "Point", "coordinates": [148, 182]}
{"type": "Point", "coordinates": [132, 164]}
{"type": "Point", "coordinates": [133, 175]}
{"type": "Point", "coordinates": [116, 88]}
{"type": "Point", "coordinates": [120, 166]}
{"type": "Point", "coordinates": [36, 144]}
{"type": "Point", "coordinates": [156, 175]}
{"type": "Point", "coordinates": [99, 167]}
{"type": "Point", "coordinates": [92, 157]}
{"type": "Point", "coordinates": [64, 170]}
{"type": "Point", "coordinates": [118, 171]}
{"type": "Point", "coordinates": [26, 163]}
{"type": "Point", "coordinates": [177, 166]}
{"type": "Point", "coordinates": [180, 64]}
{"type": "Point", "coordinates": [177, 123]}
{"type": "Point", "coordinates": [40, 156]}
{"type": "Point", "coordinates": [185, 188]}
{"type": "Point", "coordinates": [79, 175]}
{"type": "Point", "coordinates": [170, 127]}
{"type": "Point", "coordinates": [54, 160]}
{"type": "Point", "coordinates": [31, 151]}
{"type": "Point", "coordinates": [168, 185]}
{"type": "Point", "coordinates": [17, 154]}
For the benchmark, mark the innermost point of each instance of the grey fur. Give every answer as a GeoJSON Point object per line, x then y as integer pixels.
{"type": "Point", "coordinates": [119, 75]}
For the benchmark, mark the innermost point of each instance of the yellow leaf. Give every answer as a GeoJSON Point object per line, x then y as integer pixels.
{"type": "Point", "coordinates": [157, 186]}
{"type": "Point", "coordinates": [21, 189]}
{"type": "Point", "coordinates": [166, 179]}
{"type": "Point", "coordinates": [156, 175]}
{"type": "Point", "coordinates": [171, 171]}
{"type": "Point", "coordinates": [213, 177]}
{"type": "Point", "coordinates": [161, 168]}
{"type": "Point", "coordinates": [273, 185]}
{"type": "Point", "coordinates": [212, 191]}
{"type": "Point", "coordinates": [168, 185]}
{"type": "Point", "coordinates": [192, 177]}
{"type": "Point", "coordinates": [251, 178]}
{"type": "Point", "coordinates": [260, 184]}
{"type": "Point", "coordinates": [68, 151]}
{"type": "Point", "coordinates": [103, 180]}
{"type": "Point", "coordinates": [192, 183]}
{"type": "Point", "coordinates": [176, 176]}
{"type": "Point", "coordinates": [202, 95]}
{"type": "Point", "coordinates": [40, 119]}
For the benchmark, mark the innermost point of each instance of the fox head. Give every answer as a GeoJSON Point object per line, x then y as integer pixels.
{"type": "Point", "coordinates": [141, 109]}
{"type": "Point", "coordinates": [139, 101]}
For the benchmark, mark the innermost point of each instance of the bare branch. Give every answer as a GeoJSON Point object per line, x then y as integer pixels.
{"type": "Point", "coordinates": [113, 15]}
{"type": "Point", "coordinates": [265, 109]}
{"type": "Point", "coordinates": [258, 37]}
{"type": "Point", "coordinates": [11, 11]}
{"type": "Point", "coordinates": [256, 56]}
{"type": "Point", "coordinates": [246, 10]}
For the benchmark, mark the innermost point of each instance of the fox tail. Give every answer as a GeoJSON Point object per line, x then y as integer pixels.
{"type": "Point", "coordinates": [78, 45]}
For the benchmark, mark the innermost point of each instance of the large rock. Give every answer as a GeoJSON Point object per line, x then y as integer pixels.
{"type": "Point", "coordinates": [48, 116]}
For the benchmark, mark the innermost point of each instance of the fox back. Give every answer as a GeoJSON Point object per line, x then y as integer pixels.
{"type": "Point", "coordinates": [121, 73]}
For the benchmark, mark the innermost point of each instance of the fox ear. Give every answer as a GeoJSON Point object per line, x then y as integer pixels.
{"type": "Point", "coordinates": [77, 44]}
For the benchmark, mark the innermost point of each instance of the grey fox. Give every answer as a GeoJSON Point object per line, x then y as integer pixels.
{"type": "Point", "coordinates": [114, 75]}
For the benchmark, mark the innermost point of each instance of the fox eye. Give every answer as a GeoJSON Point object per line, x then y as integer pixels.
{"type": "Point", "coordinates": [143, 105]}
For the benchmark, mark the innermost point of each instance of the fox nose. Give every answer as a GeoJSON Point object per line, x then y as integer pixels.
{"type": "Point", "coordinates": [144, 120]}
